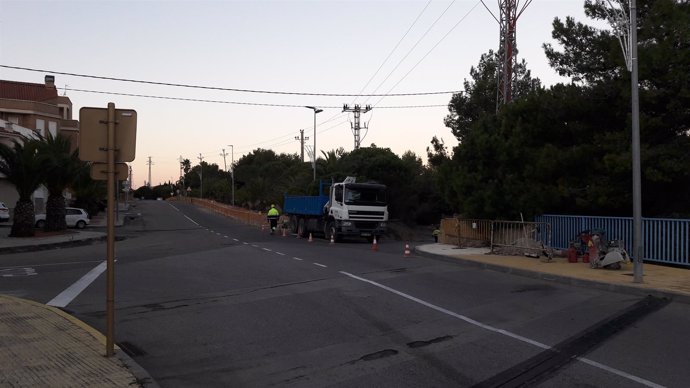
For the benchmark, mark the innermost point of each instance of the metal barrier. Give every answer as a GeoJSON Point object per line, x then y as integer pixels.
{"type": "Point", "coordinates": [513, 237]}
{"type": "Point", "coordinates": [465, 232]}
{"type": "Point", "coordinates": [518, 237]}
{"type": "Point", "coordinates": [663, 240]}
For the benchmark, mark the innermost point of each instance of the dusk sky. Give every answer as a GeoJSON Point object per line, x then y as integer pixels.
{"type": "Point", "coordinates": [301, 47]}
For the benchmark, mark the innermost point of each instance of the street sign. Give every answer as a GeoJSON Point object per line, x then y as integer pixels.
{"type": "Point", "coordinates": [93, 134]}
{"type": "Point", "coordinates": [99, 171]}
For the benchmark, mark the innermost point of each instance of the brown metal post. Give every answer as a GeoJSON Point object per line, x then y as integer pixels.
{"type": "Point", "coordinates": [110, 255]}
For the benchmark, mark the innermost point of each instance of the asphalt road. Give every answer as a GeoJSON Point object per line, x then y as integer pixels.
{"type": "Point", "coordinates": [203, 301]}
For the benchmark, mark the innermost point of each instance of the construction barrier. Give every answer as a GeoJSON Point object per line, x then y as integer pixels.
{"type": "Point", "coordinates": [248, 217]}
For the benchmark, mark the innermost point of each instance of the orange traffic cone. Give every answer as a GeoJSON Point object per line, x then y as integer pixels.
{"type": "Point", "coordinates": [310, 239]}
{"type": "Point", "coordinates": [375, 245]}
{"type": "Point", "coordinates": [407, 250]}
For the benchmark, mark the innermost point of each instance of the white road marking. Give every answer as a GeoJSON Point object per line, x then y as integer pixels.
{"type": "Point", "coordinates": [320, 265]}
{"type": "Point", "coordinates": [245, 243]}
{"type": "Point", "coordinates": [17, 272]}
{"type": "Point", "coordinates": [53, 264]}
{"type": "Point", "coordinates": [297, 258]}
{"type": "Point", "coordinates": [195, 223]}
{"type": "Point", "coordinates": [68, 295]}
{"type": "Point", "coordinates": [255, 246]}
{"type": "Point", "coordinates": [234, 239]}
{"type": "Point", "coordinates": [267, 250]}
{"type": "Point", "coordinates": [281, 253]}
{"type": "Point", "coordinates": [518, 337]}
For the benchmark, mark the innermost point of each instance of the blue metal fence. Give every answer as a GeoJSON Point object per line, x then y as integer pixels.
{"type": "Point", "coordinates": [663, 240]}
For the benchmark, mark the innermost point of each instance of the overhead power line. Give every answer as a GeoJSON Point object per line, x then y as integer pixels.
{"type": "Point", "coordinates": [227, 89]}
{"type": "Point", "coordinates": [239, 102]}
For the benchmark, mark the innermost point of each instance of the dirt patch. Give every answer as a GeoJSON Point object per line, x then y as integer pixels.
{"type": "Point", "coordinates": [402, 232]}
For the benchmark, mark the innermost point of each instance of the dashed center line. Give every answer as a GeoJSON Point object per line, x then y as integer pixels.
{"type": "Point", "coordinates": [320, 265]}
{"type": "Point", "coordinates": [267, 250]}
{"type": "Point", "coordinates": [297, 258]}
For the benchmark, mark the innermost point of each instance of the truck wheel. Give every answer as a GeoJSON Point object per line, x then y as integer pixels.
{"type": "Point", "coordinates": [293, 224]}
{"type": "Point", "coordinates": [301, 230]}
{"type": "Point", "coordinates": [329, 231]}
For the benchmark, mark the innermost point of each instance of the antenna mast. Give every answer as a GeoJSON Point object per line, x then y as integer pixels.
{"type": "Point", "coordinates": [507, 48]}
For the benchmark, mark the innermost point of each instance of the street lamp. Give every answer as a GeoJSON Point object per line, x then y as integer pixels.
{"type": "Point", "coordinates": [232, 172]}
{"type": "Point", "coordinates": [625, 27]}
{"type": "Point", "coordinates": [316, 110]}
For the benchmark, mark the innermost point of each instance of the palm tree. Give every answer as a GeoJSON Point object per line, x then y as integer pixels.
{"type": "Point", "coordinates": [62, 166]}
{"type": "Point", "coordinates": [24, 169]}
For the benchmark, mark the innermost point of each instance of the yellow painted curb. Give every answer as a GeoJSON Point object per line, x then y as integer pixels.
{"type": "Point", "coordinates": [81, 324]}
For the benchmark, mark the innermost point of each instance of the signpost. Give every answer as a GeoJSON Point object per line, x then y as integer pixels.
{"type": "Point", "coordinates": [107, 136]}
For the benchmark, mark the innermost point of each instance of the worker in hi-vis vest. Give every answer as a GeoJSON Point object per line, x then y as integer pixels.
{"type": "Point", "coordinates": [273, 215]}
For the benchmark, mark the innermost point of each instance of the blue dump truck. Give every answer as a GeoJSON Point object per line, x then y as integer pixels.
{"type": "Point", "coordinates": [349, 209]}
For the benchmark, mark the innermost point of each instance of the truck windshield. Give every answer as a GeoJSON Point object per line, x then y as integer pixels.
{"type": "Point", "coordinates": [367, 195]}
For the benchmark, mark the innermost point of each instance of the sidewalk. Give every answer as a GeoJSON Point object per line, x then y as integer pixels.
{"type": "Point", "coordinates": [657, 279]}
{"type": "Point", "coordinates": [43, 346]}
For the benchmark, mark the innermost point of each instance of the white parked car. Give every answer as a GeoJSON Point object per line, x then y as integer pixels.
{"type": "Point", "coordinates": [74, 216]}
{"type": "Point", "coordinates": [4, 213]}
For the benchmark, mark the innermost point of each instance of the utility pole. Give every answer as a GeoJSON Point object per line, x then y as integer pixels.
{"type": "Point", "coordinates": [201, 176]}
{"type": "Point", "coordinates": [357, 111]}
{"type": "Point", "coordinates": [182, 188]}
{"type": "Point", "coordinates": [316, 111]}
{"type": "Point", "coordinates": [149, 164]}
{"type": "Point", "coordinates": [224, 154]}
{"type": "Point", "coordinates": [301, 139]}
{"type": "Point", "coordinates": [232, 173]}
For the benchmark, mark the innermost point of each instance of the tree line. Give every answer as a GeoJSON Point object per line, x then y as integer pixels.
{"type": "Point", "coordinates": [51, 162]}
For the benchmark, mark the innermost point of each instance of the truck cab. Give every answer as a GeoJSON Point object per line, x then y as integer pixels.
{"type": "Point", "coordinates": [356, 209]}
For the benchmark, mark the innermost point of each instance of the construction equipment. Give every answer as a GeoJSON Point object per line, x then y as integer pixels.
{"type": "Point", "coordinates": [597, 251]}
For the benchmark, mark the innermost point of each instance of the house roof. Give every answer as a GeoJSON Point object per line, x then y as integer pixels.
{"type": "Point", "coordinates": [27, 91]}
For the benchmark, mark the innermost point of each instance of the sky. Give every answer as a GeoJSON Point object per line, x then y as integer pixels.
{"type": "Point", "coordinates": [299, 47]}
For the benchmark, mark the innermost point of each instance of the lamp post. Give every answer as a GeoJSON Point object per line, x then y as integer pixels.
{"type": "Point", "coordinates": [625, 27]}
{"type": "Point", "coordinates": [232, 172]}
{"type": "Point", "coordinates": [316, 110]}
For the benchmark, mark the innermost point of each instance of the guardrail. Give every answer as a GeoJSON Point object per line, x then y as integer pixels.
{"type": "Point", "coordinates": [663, 240]}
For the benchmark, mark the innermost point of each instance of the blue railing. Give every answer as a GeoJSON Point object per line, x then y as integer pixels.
{"type": "Point", "coordinates": [663, 240]}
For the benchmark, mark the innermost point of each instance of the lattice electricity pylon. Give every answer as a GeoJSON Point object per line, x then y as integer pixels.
{"type": "Point", "coordinates": [509, 12]}
{"type": "Point", "coordinates": [620, 24]}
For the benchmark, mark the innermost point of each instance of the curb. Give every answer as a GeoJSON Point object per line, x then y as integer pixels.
{"type": "Point", "coordinates": [639, 291]}
{"type": "Point", "coordinates": [53, 245]}
{"type": "Point", "coordinates": [143, 378]}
